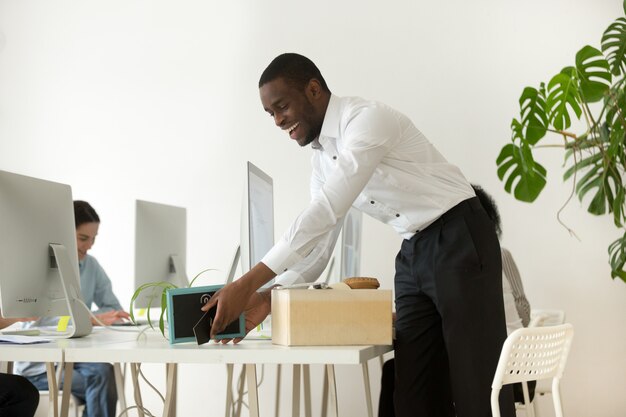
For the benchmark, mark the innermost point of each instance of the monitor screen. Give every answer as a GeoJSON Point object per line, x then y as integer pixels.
{"type": "Point", "coordinates": [257, 223]}
{"type": "Point", "coordinates": [160, 248]}
{"type": "Point", "coordinates": [38, 256]}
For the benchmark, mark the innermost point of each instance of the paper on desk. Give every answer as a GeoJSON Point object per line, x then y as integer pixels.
{"type": "Point", "coordinates": [21, 340]}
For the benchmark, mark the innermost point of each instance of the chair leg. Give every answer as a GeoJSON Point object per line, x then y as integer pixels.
{"type": "Point", "coordinates": [528, 407]}
{"type": "Point", "coordinates": [556, 398]}
{"type": "Point", "coordinates": [495, 404]}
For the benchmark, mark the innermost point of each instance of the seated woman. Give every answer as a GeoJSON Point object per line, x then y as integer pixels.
{"type": "Point", "coordinates": [92, 383]}
{"type": "Point", "coordinates": [516, 311]}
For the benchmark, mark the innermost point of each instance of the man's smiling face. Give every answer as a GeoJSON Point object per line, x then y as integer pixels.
{"type": "Point", "coordinates": [293, 109]}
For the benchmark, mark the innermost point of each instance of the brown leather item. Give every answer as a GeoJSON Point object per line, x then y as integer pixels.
{"type": "Point", "coordinates": [362, 283]}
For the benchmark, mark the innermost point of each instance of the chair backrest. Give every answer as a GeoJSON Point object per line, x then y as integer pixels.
{"type": "Point", "coordinates": [543, 317]}
{"type": "Point", "coordinates": [534, 353]}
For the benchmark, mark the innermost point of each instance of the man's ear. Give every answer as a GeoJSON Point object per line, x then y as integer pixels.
{"type": "Point", "coordinates": [314, 88]}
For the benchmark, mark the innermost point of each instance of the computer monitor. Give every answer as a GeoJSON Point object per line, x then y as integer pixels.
{"type": "Point", "coordinates": [257, 221]}
{"type": "Point", "coordinates": [160, 248]}
{"type": "Point", "coordinates": [346, 260]}
{"type": "Point", "coordinates": [351, 244]}
{"type": "Point", "coordinates": [38, 256]}
{"type": "Point", "coordinates": [257, 217]}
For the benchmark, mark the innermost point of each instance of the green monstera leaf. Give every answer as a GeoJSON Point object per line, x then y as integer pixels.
{"type": "Point", "coordinates": [617, 258]}
{"type": "Point", "coordinates": [614, 46]}
{"type": "Point", "coordinates": [563, 95]}
{"type": "Point", "coordinates": [522, 172]}
{"type": "Point", "coordinates": [593, 71]}
{"type": "Point", "coordinates": [534, 119]}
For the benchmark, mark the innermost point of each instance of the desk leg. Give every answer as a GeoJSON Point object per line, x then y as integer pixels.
{"type": "Point", "coordinates": [368, 390]}
{"type": "Point", "coordinates": [169, 409]}
{"type": "Point", "coordinates": [119, 385]}
{"type": "Point", "coordinates": [325, 393]}
{"type": "Point", "coordinates": [253, 395]}
{"type": "Point", "coordinates": [53, 393]}
{"type": "Point", "coordinates": [67, 388]}
{"type": "Point", "coordinates": [295, 393]}
{"type": "Point", "coordinates": [229, 388]}
{"type": "Point", "coordinates": [134, 373]}
{"type": "Point", "coordinates": [279, 369]}
{"type": "Point", "coordinates": [306, 378]}
{"type": "Point", "coordinates": [332, 389]}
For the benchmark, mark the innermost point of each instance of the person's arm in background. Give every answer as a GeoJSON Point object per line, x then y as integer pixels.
{"type": "Point", "coordinates": [109, 308]}
{"type": "Point", "coordinates": [6, 322]}
{"type": "Point", "coordinates": [513, 276]}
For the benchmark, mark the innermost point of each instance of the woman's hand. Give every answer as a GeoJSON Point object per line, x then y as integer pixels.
{"type": "Point", "coordinates": [110, 317]}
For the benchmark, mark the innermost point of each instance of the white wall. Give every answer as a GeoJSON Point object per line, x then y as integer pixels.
{"type": "Point", "coordinates": [157, 100]}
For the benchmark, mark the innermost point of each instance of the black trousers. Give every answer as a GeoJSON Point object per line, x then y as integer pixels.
{"type": "Point", "coordinates": [18, 397]}
{"type": "Point", "coordinates": [450, 323]}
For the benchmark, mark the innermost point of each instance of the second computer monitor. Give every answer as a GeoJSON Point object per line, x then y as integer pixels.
{"type": "Point", "coordinates": [257, 220]}
{"type": "Point", "coordinates": [160, 248]}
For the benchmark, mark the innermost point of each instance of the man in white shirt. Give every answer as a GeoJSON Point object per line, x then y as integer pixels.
{"type": "Point", "coordinates": [450, 317]}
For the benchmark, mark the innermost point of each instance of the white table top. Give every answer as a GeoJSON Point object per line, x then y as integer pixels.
{"type": "Point", "coordinates": [155, 349]}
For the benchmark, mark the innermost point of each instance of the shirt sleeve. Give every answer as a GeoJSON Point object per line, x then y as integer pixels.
{"type": "Point", "coordinates": [513, 276]}
{"type": "Point", "coordinates": [103, 295]}
{"type": "Point", "coordinates": [369, 134]}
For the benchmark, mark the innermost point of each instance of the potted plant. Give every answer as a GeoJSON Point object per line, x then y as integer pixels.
{"type": "Point", "coordinates": [158, 292]}
{"type": "Point", "coordinates": [593, 90]}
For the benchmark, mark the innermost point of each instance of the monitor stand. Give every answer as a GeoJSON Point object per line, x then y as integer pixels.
{"type": "Point", "coordinates": [180, 275]}
{"type": "Point", "coordinates": [233, 266]}
{"type": "Point", "coordinates": [81, 322]}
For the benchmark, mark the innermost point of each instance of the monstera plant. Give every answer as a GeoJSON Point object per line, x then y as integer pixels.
{"type": "Point", "coordinates": [591, 94]}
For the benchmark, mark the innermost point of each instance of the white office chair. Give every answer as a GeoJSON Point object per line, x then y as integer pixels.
{"type": "Point", "coordinates": [533, 353]}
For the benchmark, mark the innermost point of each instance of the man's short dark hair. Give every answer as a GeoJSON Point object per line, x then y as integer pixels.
{"type": "Point", "coordinates": [490, 207]}
{"type": "Point", "coordinates": [295, 69]}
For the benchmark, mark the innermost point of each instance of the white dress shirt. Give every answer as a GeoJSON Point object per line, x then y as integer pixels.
{"type": "Point", "coordinates": [372, 157]}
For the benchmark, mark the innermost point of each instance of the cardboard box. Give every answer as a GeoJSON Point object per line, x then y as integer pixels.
{"type": "Point", "coordinates": [331, 317]}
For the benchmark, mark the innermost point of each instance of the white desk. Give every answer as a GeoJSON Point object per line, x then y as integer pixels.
{"type": "Point", "coordinates": [154, 349]}
{"type": "Point", "coordinates": [54, 352]}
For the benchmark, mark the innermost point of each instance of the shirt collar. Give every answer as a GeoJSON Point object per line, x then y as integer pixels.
{"type": "Point", "coordinates": [330, 126]}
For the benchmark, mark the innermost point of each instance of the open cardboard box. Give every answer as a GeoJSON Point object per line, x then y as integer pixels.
{"type": "Point", "coordinates": [331, 317]}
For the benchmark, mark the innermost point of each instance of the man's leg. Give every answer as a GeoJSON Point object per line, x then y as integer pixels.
{"type": "Point", "coordinates": [97, 389]}
{"type": "Point", "coordinates": [385, 403]}
{"type": "Point", "coordinates": [468, 294]}
{"type": "Point", "coordinates": [422, 385]}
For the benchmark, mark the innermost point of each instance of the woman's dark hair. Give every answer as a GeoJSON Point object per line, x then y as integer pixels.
{"type": "Point", "coordinates": [84, 213]}
{"type": "Point", "coordinates": [296, 69]}
{"type": "Point", "coordinates": [490, 207]}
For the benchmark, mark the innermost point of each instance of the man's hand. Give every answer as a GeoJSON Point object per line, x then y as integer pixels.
{"type": "Point", "coordinates": [231, 301]}
{"type": "Point", "coordinates": [234, 298]}
{"type": "Point", "coordinates": [111, 317]}
{"type": "Point", "coordinates": [258, 308]}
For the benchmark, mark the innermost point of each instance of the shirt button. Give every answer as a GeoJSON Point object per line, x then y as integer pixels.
{"type": "Point", "coordinates": [372, 202]}
{"type": "Point", "coordinates": [397, 215]}
{"type": "Point", "coordinates": [335, 157]}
